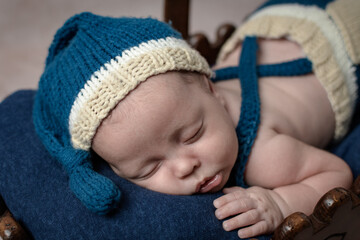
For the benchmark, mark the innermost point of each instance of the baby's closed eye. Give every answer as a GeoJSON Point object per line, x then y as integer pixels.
{"type": "Point", "coordinates": [196, 134]}
{"type": "Point", "coordinates": [151, 169]}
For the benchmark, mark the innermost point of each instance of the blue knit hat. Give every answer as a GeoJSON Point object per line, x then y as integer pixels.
{"type": "Point", "coordinates": [93, 63]}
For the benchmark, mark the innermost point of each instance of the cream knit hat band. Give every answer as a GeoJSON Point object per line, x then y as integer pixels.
{"type": "Point", "coordinates": [109, 85]}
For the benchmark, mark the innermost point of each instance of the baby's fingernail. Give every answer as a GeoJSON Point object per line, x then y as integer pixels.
{"type": "Point", "coordinates": [241, 234]}
{"type": "Point", "coordinates": [226, 226]}
{"type": "Point", "coordinates": [218, 214]}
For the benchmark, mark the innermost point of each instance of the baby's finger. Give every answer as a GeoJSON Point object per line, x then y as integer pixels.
{"type": "Point", "coordinates": [232, 189]}
{"type": "Point", "coordinates": [234, 207]}
{"type": "Point", "coordinates": [228, 198]}
{"type": "Point", "coordinates": [253, 230]}
{"type": "Point", "coordinates": [242, 220]}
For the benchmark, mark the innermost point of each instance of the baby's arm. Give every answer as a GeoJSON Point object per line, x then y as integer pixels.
{"type": "Point", "coordinates": [291, 176]}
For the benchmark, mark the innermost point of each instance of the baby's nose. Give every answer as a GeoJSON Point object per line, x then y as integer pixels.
{"type": "Point", "coordinates": [184, 167]}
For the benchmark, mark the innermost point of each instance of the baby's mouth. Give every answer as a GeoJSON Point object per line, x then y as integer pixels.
{"type": "Point", "coordinates": [209, 183]}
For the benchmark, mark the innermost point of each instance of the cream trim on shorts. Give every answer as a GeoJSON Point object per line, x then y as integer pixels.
{"type": "Point", "coordinates": [321, 42]}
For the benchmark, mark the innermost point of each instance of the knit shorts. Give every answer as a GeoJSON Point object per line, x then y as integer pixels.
{"type": "Point", "coordinates": [329, 34]}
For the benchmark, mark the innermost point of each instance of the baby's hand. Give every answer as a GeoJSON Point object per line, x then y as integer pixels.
{"type": "Point", "coordinates": [254, 210]}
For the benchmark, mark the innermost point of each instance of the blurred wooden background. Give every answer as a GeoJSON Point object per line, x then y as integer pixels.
{"type": "Point", "coordinates": [28, 26]}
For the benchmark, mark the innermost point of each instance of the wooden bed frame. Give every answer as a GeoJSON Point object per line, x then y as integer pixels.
{"type": "Point", "coordinates": [335, 217]}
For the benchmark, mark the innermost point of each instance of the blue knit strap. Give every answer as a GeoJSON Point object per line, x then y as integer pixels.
{"type": "Point", "coordinates": [248, 73]}
{"type": "Point", "coordinates": [296, 67]}
{"type": "Point", "coordinates": [250, 107]}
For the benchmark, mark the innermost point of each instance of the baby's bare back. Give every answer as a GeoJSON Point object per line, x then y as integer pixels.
{"type": "Point", "coordinates": [296, 106]}
{"type": "Point", "coordinates": [287, 160]}
{"type": "Point", "coordinates": [297, 121]}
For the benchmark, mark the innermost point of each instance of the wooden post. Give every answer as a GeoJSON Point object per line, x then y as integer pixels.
{"type": "Point", "coordinates": [177, 12]}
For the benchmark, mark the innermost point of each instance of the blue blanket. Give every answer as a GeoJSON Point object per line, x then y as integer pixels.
{"type": "Point", "coordinates": [34, 186]}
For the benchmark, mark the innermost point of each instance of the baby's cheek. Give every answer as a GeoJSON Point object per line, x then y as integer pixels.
{"type": "Point", "coordinates": [230, 144]}
{"type": "Point", "coordinates": [162, 182]}
{"type": "Point", "coordinates": [224, 148]}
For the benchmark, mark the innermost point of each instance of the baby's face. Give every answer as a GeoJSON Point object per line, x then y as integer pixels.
{"type": "Point", "coordinates": [170, 136]}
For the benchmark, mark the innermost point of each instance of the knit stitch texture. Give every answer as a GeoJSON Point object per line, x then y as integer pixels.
{"type": "Point", "coordinates": [328, 32]}
{"type": "Point", "coordinates": [93, 63]}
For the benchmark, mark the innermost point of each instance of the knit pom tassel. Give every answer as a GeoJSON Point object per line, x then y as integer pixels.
{"type": "Point", "coordinates": [98, 193]}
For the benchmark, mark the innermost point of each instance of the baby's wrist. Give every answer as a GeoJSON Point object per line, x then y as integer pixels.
{"type": "Point", "coordinates": [283, 206]}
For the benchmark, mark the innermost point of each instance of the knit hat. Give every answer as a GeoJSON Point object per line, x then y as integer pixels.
{"type": "Point", "coordinates": [93, 63]}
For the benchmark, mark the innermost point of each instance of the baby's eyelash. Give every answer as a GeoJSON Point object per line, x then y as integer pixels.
{"type": "Point", "coordinates": [197, 134]}
{"type": "Point", "coordinates": [152, 172]}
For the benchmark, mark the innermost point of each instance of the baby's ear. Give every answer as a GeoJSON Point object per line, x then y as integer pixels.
{"type": "Point", "coordinates": [209, 85]}
{"type": "Point", "coordinates": [213, 89]}
{"type": "Point", "coordinates": [206, 83]}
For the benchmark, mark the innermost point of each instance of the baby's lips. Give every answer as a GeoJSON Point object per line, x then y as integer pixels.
{"type": "Point", "coordinates": [209, 183]}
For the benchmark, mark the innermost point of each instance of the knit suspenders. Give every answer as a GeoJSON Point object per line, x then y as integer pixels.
{"type": "Point", "coordinates": [248, 73]}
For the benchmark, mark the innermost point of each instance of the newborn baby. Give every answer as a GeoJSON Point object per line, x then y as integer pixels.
{"type": "Point", "coordinates": [133, 91]}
